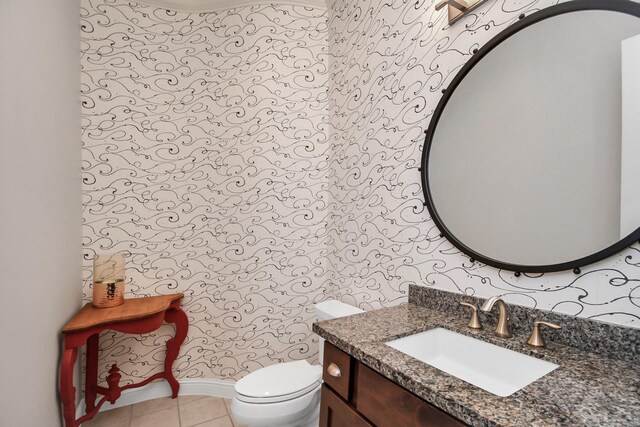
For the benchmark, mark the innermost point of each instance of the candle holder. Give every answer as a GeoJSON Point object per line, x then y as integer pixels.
{"type": "Point", "coordinates": [108, 280]}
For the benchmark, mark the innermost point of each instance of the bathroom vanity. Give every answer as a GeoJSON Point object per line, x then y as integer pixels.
{"type": "Point", "coordinates": [597, 382]}
{"type": "Point", "coordinates": [360, 394]}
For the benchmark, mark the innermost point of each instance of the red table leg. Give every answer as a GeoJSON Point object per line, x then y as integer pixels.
{"type": "Point", "coordinates": [179, 318]}
{"type": "Point", "coordinates": [67, 390]}
{"type": "Point", "coordinates": [91, 384]}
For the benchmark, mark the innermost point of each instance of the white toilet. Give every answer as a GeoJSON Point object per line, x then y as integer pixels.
{"type": "Point", "coordinates": [286, 394]}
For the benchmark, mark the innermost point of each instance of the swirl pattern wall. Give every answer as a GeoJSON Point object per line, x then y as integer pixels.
{"type": "Point", "coordinates": [389, 61]}
{"type": "Point", "coordinates": [205, 160]}
{"type": "Point", "coordinates": [265, 158]}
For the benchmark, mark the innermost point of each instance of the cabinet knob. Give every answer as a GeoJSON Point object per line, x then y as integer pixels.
{"type": "Point", "coordinates": [334, 371]}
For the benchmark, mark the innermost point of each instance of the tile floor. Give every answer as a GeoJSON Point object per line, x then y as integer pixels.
{"type": "Point", "coordinates": [185, 411]}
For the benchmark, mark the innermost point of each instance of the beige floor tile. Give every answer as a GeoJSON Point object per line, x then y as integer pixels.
{"type": "Point", "coordinates": [106, 423]}
{"type": "Point", "coordinates": [218, 422]}
{"type": "Point", "coordinates": [165, 418]}
{"type": "Point", "coordinates": [227, 403]}
{"type": "Point", "coordinates": [154, 405]}
{"type": "Point", "coordinates": [119, 417]}
{"type": "Point", "coordinates": [201, 410]}
{"type": "Point", "coordinates": [190, 398]}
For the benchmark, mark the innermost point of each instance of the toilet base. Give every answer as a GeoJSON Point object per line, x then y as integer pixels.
{"type": "Point", "coordinates": [303, 411]}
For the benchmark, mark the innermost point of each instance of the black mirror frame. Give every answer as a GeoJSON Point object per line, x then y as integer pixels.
{"type": "Point", "coordinates": [622, 6]}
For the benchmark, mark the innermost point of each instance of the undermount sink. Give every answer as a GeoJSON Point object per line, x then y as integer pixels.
{"type": "Point", "coordinates": [495, 369]}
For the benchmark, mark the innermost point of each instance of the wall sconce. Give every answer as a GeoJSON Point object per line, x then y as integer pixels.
{"type": "Point", "coordinates": [458, 8]}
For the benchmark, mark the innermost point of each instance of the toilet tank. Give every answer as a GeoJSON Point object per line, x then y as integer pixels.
{"type": "Point", "coordinates": [332, 309]}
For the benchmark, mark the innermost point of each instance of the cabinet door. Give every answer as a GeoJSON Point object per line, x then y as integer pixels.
{"type": "Point", "coordinates": [337, 370]}
{"type": "Point", "coordinates": [389, 405]}
{"type": "Point", "coordinates": [335, 412]}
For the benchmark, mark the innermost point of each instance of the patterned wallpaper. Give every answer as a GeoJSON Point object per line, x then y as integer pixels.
{"type": "Point", "coordinates": [265, 158]}
{"type": "Point", "coordinates": [205, 160]}
{"type": "Point", "coordinates": [389, 61]}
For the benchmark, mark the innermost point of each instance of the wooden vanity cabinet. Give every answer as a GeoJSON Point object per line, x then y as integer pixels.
{"type": "Point", "coordinates": [334, 358]}
{"type": "Point", "coordinates": [357, 396]}
{"type": "Point", "coordinates": [335, 412]}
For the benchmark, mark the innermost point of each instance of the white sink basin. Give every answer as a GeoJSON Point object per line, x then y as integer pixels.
{"type": "Point", "coordinates": [495, 369]}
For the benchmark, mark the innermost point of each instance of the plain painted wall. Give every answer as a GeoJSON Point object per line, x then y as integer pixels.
{"type": "Point", "coordinates": [40, 202]}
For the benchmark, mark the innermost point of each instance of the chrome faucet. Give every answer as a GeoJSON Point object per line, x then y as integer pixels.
{"type": "Point", "coordinates": [502, 328]}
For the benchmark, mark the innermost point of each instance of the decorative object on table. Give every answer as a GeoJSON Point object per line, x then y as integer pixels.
{"type": "Point", "coordinates": [108, 280]}
{"type": "Point", "coordinates": [135, 316]}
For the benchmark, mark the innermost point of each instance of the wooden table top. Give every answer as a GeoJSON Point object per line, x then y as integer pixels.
{"type": "Point", "coordinates": [132, 309]}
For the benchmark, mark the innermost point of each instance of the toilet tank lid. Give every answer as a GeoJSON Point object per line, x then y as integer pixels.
{"type": "Point", "coordinates": [279, 380]}
{"type": "Point", "coordinates": [332, 309]}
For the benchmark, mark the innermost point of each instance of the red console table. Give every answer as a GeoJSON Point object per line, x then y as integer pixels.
{"type": "Point", "coordinates": [135, 316]}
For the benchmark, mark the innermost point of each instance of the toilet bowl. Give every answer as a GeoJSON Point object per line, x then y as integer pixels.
{"type": "Point", "coordinates": [286, 394]}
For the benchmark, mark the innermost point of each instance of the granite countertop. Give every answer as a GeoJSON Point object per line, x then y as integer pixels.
{"type": "Point", "coordinates": [588, 389]}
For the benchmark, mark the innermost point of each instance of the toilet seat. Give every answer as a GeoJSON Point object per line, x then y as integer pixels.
{"type": "Point", "coordinates": [276, 399]}
{"type": "Point", "coordinates": [279, 383]}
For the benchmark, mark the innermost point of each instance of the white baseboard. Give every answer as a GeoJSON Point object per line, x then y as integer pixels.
{"type": "Point", "coordinates": [155, 390]}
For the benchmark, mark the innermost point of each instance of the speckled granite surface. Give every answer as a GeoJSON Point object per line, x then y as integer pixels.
{"type": "Point", "coordinates": [588, 389]}
{"type": "Point", "coordinates": [606, 339]}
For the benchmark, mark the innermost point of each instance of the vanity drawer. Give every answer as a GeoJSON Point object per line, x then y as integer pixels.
{"type": "Point", "coordinates": [335, 412]}
{"type": "Point", "coordinates": [386, 404]}
{"type": "Point", "coordinates": [337, 370]}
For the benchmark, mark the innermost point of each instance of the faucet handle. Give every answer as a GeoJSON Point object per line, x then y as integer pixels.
{"type": "Point", "coordinates": [535, 340]}
{"type": "Point", "coordinates": [474, 322]}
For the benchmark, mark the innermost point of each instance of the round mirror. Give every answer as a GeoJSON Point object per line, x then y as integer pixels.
{"type": "Point", "coordinates": [532, 159]}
